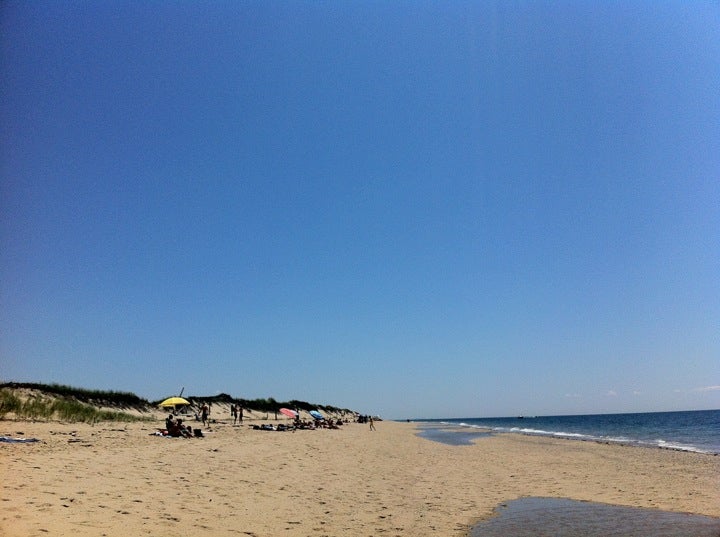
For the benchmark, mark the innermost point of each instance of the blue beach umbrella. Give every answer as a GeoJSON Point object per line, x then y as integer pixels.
{"type": "Point", "coordinates": [315, 414]}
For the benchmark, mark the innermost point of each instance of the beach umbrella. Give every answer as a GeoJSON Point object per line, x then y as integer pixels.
{"type": "Point", "coordinates": [289, 413]}
{"type": "Point", "coordinates": [315, 414]}
{"type": "Point", "coordinates": [174, 401]}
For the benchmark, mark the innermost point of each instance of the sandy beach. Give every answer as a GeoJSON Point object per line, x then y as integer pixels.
{"type": "Point", "coordinates": [114, 479]}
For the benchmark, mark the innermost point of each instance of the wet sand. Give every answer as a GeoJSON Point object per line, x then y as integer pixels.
{"type": "Point", "coordinates": [117, 480]}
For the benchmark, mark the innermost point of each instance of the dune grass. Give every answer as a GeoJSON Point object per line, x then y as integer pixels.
{"type": "Point", "coordinates": [38, 407]}
{"type": "Point", "coordinates": [268, 405]}
{"type": "Point", "coordinates": [67, 403]}
{"type": "Point", "coordinates": [98, 397]}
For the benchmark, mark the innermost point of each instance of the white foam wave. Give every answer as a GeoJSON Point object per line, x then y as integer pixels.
{"type": "Point", "coordinates": [541, 432]}
{"type": "Point", "coordinates": [679, 447]}
{"type": "Point", "coordinates": [471, 426]}
{"type": "Point", "coordinates": [610, 439]}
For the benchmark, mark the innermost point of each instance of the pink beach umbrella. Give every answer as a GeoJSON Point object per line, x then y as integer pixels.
{"type": "Point", "coordinates": [289, 413]}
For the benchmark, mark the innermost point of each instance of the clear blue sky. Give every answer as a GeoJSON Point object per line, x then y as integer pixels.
{"type": "Point", "coordinates": [415, 209]}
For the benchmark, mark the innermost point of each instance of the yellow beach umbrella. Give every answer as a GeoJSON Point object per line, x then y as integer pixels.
{"type": "Point", "coordinates": [174, 401]}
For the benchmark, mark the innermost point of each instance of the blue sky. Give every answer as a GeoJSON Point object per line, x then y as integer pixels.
{"type": "Point", "coordinates": [414, 209]}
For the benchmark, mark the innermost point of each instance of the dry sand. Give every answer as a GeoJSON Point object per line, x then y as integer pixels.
{"type": "Point", "coordinates": [117, 480]}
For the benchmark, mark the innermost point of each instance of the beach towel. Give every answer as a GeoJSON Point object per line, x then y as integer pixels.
{"type": "Point", "coordinates": [12, 440]}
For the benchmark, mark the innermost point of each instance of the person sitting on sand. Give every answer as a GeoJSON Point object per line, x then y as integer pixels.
{"type": "Point", "coordinates": [177, 430]}
{"type": "Point", "coordinates": [174, 429]}
{"type": "Point", "coordinates": [183, 431]}
{"type": "Point", "coordinates": [169, 423]}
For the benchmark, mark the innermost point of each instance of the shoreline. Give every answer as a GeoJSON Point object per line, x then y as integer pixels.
{"type": "Point", "coordinates": [116, 479]}
{"type": "Point", "coordinates": [479, 432]}
{"type": "Point", "coordinates": [692, 431]}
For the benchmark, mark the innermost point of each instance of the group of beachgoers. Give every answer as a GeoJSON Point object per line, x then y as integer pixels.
{"type": "Point", "coordinates": [236, 411]}
{"type": "Point", "coordinates": [300, 424]}
{"type": "Point", "coordinates": [175, 428]}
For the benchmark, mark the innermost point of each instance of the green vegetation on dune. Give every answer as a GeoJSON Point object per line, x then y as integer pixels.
{"type": "Point", "coordinates": [40, 407]}
{"type": "Point", "coordinates": [56, 401]}
{"type": "Point", "coordinates": [267, 405]}
{"type": "Point", "coordinates": [96, 397]}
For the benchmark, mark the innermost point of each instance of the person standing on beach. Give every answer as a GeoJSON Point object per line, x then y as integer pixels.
{"type": "Point", "coordinates": [240, 413]}
{"type": "Point", "coordinates": [204, 414]}
{"type": "Point", "coordinates": [372, 424]}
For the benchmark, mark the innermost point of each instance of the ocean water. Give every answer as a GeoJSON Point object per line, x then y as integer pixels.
{"type": "Point", "coordinates": [697, 431]}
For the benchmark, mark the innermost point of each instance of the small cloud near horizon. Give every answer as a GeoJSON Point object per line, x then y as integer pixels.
{"type": "Point", "coordinates": [611, 393]}
{"type": "Point", "coordinates": [707, 389]}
